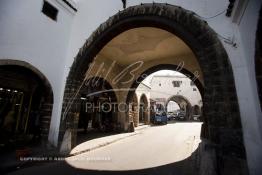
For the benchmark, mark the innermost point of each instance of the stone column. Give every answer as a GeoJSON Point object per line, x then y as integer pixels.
{"type": "Point", "coordinates": [136, 115]}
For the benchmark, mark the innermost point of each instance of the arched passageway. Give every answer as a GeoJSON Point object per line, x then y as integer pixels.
{"type": "Point", "coordinates": [206, 52]}
{"type": "Point", "coordinates": [143, 109]}
{"type": "Point", "coordinates": [196, 113]}
{"type": "Point", "coordinates": [161, 104]}
{"type": "Point", "coordinates": [172, 106]}
{"type": "Point", "coordinates": [26, 100]}
{"type": "Point", "coordinates": [98, 111]}
{"type": "Point", "coordinates": [196, 110]}
{"type": "Point", "coordinates": [133, 117]}
{"type": "Point", "coordinates": [98, 106]}
{"type": "Point", "coordinates": [184, 105]}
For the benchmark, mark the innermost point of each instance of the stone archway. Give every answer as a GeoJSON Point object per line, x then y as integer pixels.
{"type": "Point", "coordinates": [223, 128]}
{"type": "Point", "coordinates": [33, 97]}
{"type": "Point", "coordinates": [196, 110]}
{"type": "Point", "coordinates": [183, 103]}
{"type": "Point", "coordinates": [133, 116]}
{"type": "Point", "coordinates": [97, 110]}
{"type": "Point", "coordinates": [143, 109]}
{"type": "Point", "coordinates": [171, 67]}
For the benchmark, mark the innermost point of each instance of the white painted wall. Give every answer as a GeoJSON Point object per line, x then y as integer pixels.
{"type": "Point", "coordinates": [244, 71]}
{"type": "Point", "coordinates": [162, 87]}
{"type": "Point", "coordinates": [90, 15]}
{"type": "Point", "coordinates": [28, 35]}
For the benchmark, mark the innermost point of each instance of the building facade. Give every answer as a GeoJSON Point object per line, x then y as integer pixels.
{"type": "Point", "coordinates": [180, 89]}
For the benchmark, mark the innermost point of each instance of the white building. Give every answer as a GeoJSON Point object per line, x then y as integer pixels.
{"type": "Point", "coordinates": [177, 88]}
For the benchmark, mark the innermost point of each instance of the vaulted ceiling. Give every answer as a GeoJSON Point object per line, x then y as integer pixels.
{"type": "Point", "coordinates": [151, 45]}
{"type": "Point", "coordinates": [146, 44]}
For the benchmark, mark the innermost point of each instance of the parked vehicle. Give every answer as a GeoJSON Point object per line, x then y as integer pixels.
{"type": "Point", "coordinates": [181, 115]}
{"type": "Point", "coordinates": [171, 116]}
{"type": "Point", "coordinates": [160, 118]}
{"type": "Point", "coordinates": [196, 117]}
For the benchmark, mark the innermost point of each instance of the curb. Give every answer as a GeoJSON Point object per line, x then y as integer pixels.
{"type": "Point", "coordinates": [109, 142]}
{"type": "Point", "coordinates": [100, 145]}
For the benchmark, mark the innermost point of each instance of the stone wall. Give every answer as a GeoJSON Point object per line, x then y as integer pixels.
{"type": "Point", "coordinates": [222, 124]}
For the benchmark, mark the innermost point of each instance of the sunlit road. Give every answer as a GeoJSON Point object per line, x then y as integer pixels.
{"type": "Point", "coordinates": [165, 149]}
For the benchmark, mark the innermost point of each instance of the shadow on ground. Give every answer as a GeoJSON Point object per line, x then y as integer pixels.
{"type": "Point", "coordinates": [92, 134]}
{"type": "Point", "coordinates": [189, 166]}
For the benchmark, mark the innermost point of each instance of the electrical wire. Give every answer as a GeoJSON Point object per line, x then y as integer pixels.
{"type": "Point", "coordinates": [210, 17]}
{"type": "Point", "coordinates": [229, 41]}
{"type": "Point", "coordinates": [226, 39]}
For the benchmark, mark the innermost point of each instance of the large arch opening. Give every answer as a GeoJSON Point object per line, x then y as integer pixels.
{"type": "Point", "coordinates": [98, 114]}
{"type": "Point", "coordinates": [162, 92]}
{"type": "Point", "coordinates": [185, 107]}
{"type": "Point", "coordinates": [143, 109]}
{"type": "Point", "coordinates": [197, 46]}
{"type": "Point", "coordinates": [26, 101]}
{"type": "Point", "coordinates": [172, 107]}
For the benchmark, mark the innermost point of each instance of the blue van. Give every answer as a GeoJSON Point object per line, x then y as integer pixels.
{"type": "Point", "coordinates": [160, 118]}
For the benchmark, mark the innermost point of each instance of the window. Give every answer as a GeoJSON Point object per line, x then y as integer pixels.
{"type": "Point", "coordinates": [49, 10]}
{"type": "Point", "coordinates": [176, 83]}
{"type": "Point", "coordinates": [159, 84]}
{"type": "Point", "coordinates": [194, 89]}
{"type": "Point", "coordinates": [192, 83]}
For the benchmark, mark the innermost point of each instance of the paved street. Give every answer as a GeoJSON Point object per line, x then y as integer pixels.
{"type": "Point", "coordinates": [165, 149]}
